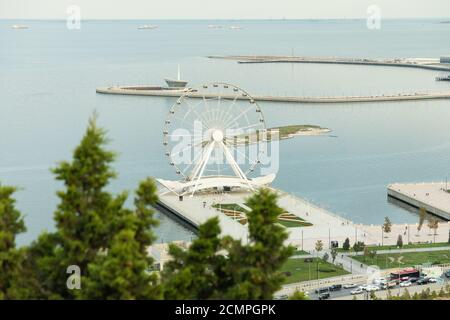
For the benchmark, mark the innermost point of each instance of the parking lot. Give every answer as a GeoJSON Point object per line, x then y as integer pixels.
{"type": "Point", "coordinates": [380, 288]}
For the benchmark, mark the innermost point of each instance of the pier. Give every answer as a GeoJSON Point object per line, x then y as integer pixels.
{"type": "Point", "coordinates": [429, 64]}
{"type": "Point", "coordinates": [159, 92]}
{"type": "Point", "coordinates": [326, 226]}
{"type": "Point", "coordinates": [433, 197]}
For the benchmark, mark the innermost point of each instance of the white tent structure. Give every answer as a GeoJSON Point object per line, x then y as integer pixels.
{"type": "Point", "coordinates": [214, 143]}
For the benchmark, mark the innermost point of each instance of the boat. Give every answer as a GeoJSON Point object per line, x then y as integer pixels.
{"type": "Point", "coordinates": [176, 84]}
{"type": "Point", "coordinates": [235, 27]}
{"type": "Point", "coordinates": [214, 26]}
{"type": "Point", "coordinates": [147, 26]}
{"type": "Point", "coordinates": [19, 26]}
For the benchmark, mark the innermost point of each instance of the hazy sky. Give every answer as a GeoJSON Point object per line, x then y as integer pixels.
{"type": "Point", "coordinates": [221, 9]}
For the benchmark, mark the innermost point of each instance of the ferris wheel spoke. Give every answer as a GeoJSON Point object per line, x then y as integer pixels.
{"type": "Point", "coordinates": [228, 112]}
{"type": "Point", "coordinates": [194, 160]}
{"type": "Point", "coordinates": [239, 116]}
{"type": "Point", "coordinates": [188, 147]}
{"type": "Point", "coordinates": [243, 129]}
{"type": "Point", "coordinates": [196, 113]}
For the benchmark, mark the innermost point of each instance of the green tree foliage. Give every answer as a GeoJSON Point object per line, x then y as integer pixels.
{"type": "Point", "coordinates": [387, 225]}
{"type": "Point", "coordinates": [334, 253]}
{"type": "Point", "coordinates": [121, 273]}
{"type": "Point", "coordinates": [346, 244]}
{"type": "Point", "coordinates": [11, 258]}
{"type": "Point", "coordinates": [400, 241]}
{"type": "Point", "coordinates": [193, 273]}
{"type": "Point", "coordinates": [95, 231]}
{"type": "Point", "coordinates": [359, 246]}
{"type": "Point", "coordinates": [298, 295]}
{"type": "Point", "coordinates": [214, 268]}
{"type": "Point", "coordinates": [319, 245]}
{"type": "Point", "coordinates": [422, 217]}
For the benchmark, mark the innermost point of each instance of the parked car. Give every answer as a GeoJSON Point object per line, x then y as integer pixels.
{"type": "Point", "coordinates": [322, 290]}
{"type": "Point", "coordinates": [414, 279]}
{"type": "Point", "coordinates": [447, 274]}
{"type": "Point", "coordinates": [324, 296]}
{"type": "Point", "coordinates": [422, 281]}
{"type": "Point", "coordinates": [357, 291]}
{"type": "Point", "coordinates": [405, 284]}
{"type": "Point", "coordinates": [433, 280]}
{"type": "Point", "coordinates": [336, 287]}
{"type": "Point", "coordinates": [350, 286]}
{"type": "Point", "coordinates": [371, 288]}
{"type": "Point", "coordinates": [363, 287]}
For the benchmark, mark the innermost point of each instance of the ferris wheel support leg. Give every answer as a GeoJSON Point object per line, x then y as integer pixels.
{"type": "Point", "coordinates": [205, 162]}
{"type": "Point", "coordinates": [237, 170]}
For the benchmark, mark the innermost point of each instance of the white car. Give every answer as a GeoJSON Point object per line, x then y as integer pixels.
{"type": "Point", "coordinates": [357, 291]}
{"type": "Point", "coordinates": [363, 287]}
{"type": "Point", "coordinates": [405, 284]}
{"type": "Point", "coordinates": [432, 280]}
{"type": "Point", "coordinates": [349, 286]}
{"type": "Point", "coordinates": [372, 288]}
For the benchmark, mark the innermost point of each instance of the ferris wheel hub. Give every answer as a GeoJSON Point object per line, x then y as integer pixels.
{"type": "Point", "coordinates": [217, 135]}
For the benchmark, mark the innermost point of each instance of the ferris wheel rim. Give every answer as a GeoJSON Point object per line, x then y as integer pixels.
{"type": "Point", "coordinates": [241, 94]}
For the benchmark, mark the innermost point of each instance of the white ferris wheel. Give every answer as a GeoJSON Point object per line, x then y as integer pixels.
{"type": "Point", "coordinates": [212, 138]}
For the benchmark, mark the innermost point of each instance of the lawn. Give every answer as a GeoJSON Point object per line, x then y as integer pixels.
{"type": "Point", "coordinates": [304, 271]}
{"type": "Point", "coordinates": [410, 259]}
{"type": "Point", "coordinates": [406, 246]}
{"type": "Point", "coordinates": [294, 224]}
{"type": "Point", "coordinates": [229, 206]}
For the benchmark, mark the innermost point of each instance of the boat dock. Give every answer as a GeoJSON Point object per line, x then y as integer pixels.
{"type": "Point", "coordinates": [434, 197]}
{"type": "Point", "coordinates": [161, 92]}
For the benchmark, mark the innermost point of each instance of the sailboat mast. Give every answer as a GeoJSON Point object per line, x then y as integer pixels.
{"type": "Point", "coordinates": [179, 76]}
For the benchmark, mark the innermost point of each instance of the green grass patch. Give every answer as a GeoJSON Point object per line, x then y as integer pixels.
{"type": "Point", "coordinates": [294, 223]}
{"type": "Point", "coordinates": [300, 270]}
{"type": "Point", "coordinates": [405, 246]}
{"type": "Point", "coordinates": [229, 206]}
{"type": "Point", "coordinates": [410, 259]}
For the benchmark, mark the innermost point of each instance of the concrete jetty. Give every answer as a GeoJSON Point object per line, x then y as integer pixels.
{"type": "Point", "coordinates": [430, 64]}
{"type": "Point", "coordinates": [434, 196]}
{"type": "Point", "coordinates": [151, 91]}
{"type": "Point", "coordinates": [326, 226]}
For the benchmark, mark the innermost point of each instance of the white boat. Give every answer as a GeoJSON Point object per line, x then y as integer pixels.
{"type": "Point", "coordinates": [176, 84]}
{"type": "Point", "coordinates": [19, 26]}
{"type": "Point", "coordinates": [147, 26]}
{"type": "Point", "coordinates": [214, 26]}
{"type": "Point", "coordinates": [235, 27]}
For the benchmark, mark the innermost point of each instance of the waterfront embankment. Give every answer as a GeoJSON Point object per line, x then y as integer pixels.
{"type": "Point", "coordinates": [144, 91]}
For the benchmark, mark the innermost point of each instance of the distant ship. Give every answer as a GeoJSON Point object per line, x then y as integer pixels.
{"type": "Point", "coordinates": [19, 26]}
{"type": "Point", "coordinates": [235, 27]}
{"type": "Point", "coordinates": [176, 84]}
{"type": "Point", "coordinates": [214, 26]}
{"type": "Point", "coordinates": [147, 26]}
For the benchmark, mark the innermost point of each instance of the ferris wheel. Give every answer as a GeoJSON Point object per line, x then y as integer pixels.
{"type": "Point", "coordinates": [212, 131]}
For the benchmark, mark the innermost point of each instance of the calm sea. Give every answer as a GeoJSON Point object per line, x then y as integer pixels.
{"type": "Point", "coordinates": [47, 92]}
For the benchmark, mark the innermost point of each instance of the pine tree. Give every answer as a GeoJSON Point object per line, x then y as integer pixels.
{"type": "Point", "coordinates": [122, 271]}
{"type": "Point", "coordinates": [193, 273]}
{"type": "Point", "coordinates": [11, 258]}
{"type": "Point", "coordinates": [254, 268]}
{"type": "Point", "coordinates": [94, 230]}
